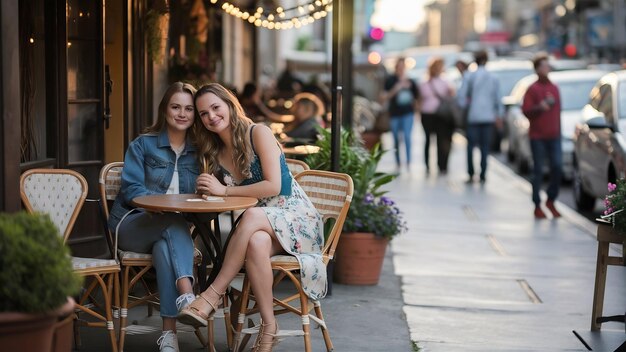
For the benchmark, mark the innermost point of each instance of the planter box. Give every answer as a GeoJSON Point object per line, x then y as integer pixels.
{"type": "Point", "coordinates": [606, 235]}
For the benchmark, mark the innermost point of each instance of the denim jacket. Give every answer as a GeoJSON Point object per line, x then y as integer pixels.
{"type": "Point", "coordinates": [149, 168]}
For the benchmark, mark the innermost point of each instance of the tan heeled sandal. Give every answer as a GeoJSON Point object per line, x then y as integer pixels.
{"type": "Point", "coordinates": [195, 317]}
{"type": "Point", "coordinates": [266, 346]}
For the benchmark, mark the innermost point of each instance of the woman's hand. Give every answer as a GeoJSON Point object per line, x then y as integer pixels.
{"type": "Point", "coordinates": [209, 184]}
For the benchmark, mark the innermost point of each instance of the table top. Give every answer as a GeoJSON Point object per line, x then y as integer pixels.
{"type": "Point", "coordinates": [192, 203]}
{"type": "Point", "coordinates": [302, 150]}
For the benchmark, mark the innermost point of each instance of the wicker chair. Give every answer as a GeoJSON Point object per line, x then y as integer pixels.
{"type": "Point", "coordinates": [134, 265]}
{"type": "Point", "coordinates": [61, 194]}
{"type": "Point", "coordinates": [331, 193]}
{"type": "Point", "coordinates": [296, 166]}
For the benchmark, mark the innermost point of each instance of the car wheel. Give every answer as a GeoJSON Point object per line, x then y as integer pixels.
{"type": "Point", "coordinates": [584, 201]}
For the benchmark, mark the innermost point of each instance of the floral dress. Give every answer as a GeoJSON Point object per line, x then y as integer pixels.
{"type": "Point", "coordinates": [297, 224]}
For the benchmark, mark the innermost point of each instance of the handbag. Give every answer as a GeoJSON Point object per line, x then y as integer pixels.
{"type": "Point", "coordinates": [448, 110]}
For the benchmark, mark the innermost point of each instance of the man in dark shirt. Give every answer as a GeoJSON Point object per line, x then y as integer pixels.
{"type": "Point", "coordinates": [401, 93]}
{"type": "Point", "coordinates": [542, 107]}
{"type": "Point", "coordinates": [303, 129]}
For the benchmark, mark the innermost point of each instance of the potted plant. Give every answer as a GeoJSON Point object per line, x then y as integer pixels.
{"type": "Point", "coordinates": [37, 282]}
{"type": "Point", "coordinates": [372, 220]}
{"type": "Point", "coordinates": [614, 203]}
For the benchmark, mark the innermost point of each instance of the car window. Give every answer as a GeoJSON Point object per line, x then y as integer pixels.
{"type": "Point", "coordinates": [508, 78]}
{"type": "Point", "coordinates": [621, 100]}
{"type": "Point", "coordinates": [606, 104]}
{"type": "Point", "coordinates": [574, 94]}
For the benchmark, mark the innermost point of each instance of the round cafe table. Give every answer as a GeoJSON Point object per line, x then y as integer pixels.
{"type": "Point", "coordinates": [201, 213]}
{"type": "Point", "coordinates": [301, 150]}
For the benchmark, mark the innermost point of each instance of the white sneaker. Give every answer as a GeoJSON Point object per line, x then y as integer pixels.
{"type": "Point", "coordinates": [184, 300]}
{"type": "Point", "coordinates": [168, 342]}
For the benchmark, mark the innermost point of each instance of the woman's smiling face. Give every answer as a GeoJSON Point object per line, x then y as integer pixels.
{"type": "Point", "coordinates": [213, 112]}
{"type": "Point", "coordinates": [180, 112]}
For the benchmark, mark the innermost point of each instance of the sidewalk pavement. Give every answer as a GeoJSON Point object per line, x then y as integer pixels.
{"type": "Point", "coordinates": [480, 273]}
{"type": "Point", "coordinates": [475, 272]}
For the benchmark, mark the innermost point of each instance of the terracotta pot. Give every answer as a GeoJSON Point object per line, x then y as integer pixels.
{"type": "Point", "coordinates": [64, 328]}
{"type": "Point", "coordinates": [370, 138]}
{"type": "Point", "coordinates": [359, 258]}
{"type": "Point", "coordinates": [35, 332]}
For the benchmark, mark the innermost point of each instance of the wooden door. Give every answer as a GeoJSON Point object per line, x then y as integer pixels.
{"type": "Point", "coordinates": [84, 145]}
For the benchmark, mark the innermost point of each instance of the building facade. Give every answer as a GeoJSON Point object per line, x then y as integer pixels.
{"type": "Point", "coordinates": [81, 79]}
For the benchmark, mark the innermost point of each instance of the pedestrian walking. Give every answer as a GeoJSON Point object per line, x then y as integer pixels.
{"type": "Point", "coordinates": [401, 94]}
{"type": "Point", "coordinates": [542, 107]}
{"type": "Point", "coordinates": [433, 93]}
{"type": "Point", "coordinates": [461, 66]}
{"type": "Point", "coordinates": [480, 96]}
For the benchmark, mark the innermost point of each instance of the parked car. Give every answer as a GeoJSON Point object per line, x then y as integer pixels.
{"type": "Point", "coordinates": [567, 64]}
{"type": "Point", "coordinates": [608, 67]}
{"type": "Point", "coordinates": [599, 141]}
{"type": "Point", "coordinates": [574, 87]}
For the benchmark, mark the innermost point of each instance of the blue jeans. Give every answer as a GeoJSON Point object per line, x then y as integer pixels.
{"type": "Point", "coordinates": [552, 149]}
{"type": "Point", "coordinates": [478, 135]}
{"type": "Point", "coordinates": [167, 237]}
{"type": "Point", "coordinates": [402, 123]}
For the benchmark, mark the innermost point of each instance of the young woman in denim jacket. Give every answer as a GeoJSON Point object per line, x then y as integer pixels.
{"type": "Point", "coordinates": [244, 159]}
{"type": "Point", "coordinates": [162, 160]}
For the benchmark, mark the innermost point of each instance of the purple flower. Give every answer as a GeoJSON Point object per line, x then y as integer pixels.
{"type": "Point", "coordinates": [612, 187]}
{"type": "Point", "coordinates": [369, 198]}
{"type": "Point", "coordinates": [386, 201]}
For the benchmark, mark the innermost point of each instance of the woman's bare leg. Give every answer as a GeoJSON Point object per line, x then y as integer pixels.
{"type": "Point", "coordinates": [261, 247]}
{"type": "Point", "coordinates": [169, 324]}
{"type": "Point", "coordinates": [254, 220]}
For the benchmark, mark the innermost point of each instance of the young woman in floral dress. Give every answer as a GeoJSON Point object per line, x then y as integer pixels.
{"type": "Point", "coordinates": [244, 159]}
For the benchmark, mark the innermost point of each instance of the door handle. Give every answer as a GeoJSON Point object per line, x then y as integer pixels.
{"type": "Point", "coordinates": [108, 87]}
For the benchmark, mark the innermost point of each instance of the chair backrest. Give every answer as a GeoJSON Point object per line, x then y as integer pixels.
{"type": "Point", "coordinates": [331, 194]}
{"type": "Point", "coordinates": [110, 182]}
{"type": "Point", "coordinates": [60, 193]}
{"type": "Point", "coordinates": [296, 166]}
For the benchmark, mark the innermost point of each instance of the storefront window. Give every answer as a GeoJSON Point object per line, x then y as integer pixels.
{"type": "Point", "coordinates": [34, 124]}
{"type": "Point", "coordinates": [83, 80]}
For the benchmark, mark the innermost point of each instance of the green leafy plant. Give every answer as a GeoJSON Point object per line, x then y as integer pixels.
{"type": "Point", "coordinates": [614, 204]}
{"type": "Point", "coordinates": [370, 210]}
{"type": "Point", "coordinates": [155, 25]}
{"type": "Point", "coordinates": [35, 266]}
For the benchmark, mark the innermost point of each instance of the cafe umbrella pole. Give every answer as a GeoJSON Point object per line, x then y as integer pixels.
{"type": "Point", "coordinates": [335, 121]}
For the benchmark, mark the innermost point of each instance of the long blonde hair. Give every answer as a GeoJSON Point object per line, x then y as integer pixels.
{"type": "Point", "coordinates": [210, 144]}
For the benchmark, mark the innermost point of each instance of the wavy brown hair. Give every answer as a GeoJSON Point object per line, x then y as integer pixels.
{"type": "Point", "coordinates": [435, 67]}
{"type": "Point", "coordinates": [161, 122]}
{"type": "Point", "coordinates": [210, 144]}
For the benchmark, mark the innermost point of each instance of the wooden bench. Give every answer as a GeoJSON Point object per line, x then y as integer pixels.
{"type": "Point", "coordinates": [606, 235]}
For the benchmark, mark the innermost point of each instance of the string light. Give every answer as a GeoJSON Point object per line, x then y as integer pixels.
{"type": "Point", "coordinates": [281, 18]}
